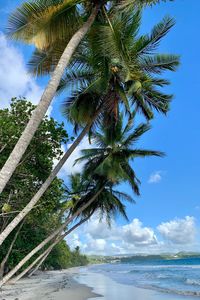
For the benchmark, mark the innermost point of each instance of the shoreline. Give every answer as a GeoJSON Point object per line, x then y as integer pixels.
{"type": "Point", "coordinates": [79, 284]}
{"type": "Point", "coordinates": [112, 290]}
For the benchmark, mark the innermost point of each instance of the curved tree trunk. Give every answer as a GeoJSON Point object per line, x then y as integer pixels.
{"type": "Point", "coordinates": [44, 255]}
{"type": "Point", "coordinates": [44, 103]}
{"type": "Point", "coordinates": [48, 239]}
{"type": "Point", "coordinates": [43, 188]}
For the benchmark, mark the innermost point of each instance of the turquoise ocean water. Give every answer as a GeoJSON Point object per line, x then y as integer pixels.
{"type": "Point", "coordinates": [175, 276]}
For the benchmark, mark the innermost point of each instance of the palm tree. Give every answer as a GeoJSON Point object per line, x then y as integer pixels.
{"type": "Point", "coordinates": [94, 192]}
{"type": "Point", "coordinates": [108, 205]}
{"type": "Point", "coordinates": [40, 22]}
{"type": "Point", "coordinates": [49, 238]}
{"type": "Point", "coordinates": [104, 81]}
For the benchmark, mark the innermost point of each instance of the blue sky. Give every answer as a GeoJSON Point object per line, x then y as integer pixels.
{"type": "Point", "coordinates": [170, 188]}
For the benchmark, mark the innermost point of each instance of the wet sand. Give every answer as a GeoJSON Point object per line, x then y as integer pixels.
{"type": "Point", "coordinates": [112, 290]}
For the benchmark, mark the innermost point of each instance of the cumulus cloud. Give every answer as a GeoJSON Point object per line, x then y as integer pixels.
{"type": "Point", "coordinates": [96, 237]}
{"type": "Point", "coordinates": [179, 231]}
{"type": "Point", "coordinates": [135, 233]}
{"type": "Point", "coordinates": [14, 79]}
{"type": "Point", "coordinates": [155, 177]}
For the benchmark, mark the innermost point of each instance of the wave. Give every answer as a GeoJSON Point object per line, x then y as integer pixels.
{"type": "Point", "coordinates": [173, 279]}
{"type": "Point", "coordinates": [193, 282]}
{"type": "Point", "coordinates": [171, 291]}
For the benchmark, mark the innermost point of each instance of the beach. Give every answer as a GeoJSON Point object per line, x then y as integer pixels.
{"type": "Point", "coordinates": [50, 285]}
{"type": "Point", "coordinates": [79, 284]}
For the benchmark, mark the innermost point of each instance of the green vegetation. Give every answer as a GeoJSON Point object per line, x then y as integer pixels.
{"type": "Point", "coordinates": [62, 257]}
{"type": "Point", "coordinates": [36, 165]}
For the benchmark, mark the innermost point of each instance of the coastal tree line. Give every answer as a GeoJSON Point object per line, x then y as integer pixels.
{"type": "Point", "coordinates": [94, 51]}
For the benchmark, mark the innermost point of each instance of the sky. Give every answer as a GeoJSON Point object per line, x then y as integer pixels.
{"type": "Point", "coordinates": [166, 217]}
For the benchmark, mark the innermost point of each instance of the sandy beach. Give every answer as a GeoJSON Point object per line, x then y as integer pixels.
{"type": "Point", "coordinates": [51, 285]}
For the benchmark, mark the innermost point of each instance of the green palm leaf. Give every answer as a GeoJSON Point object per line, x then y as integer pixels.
{"type": "Point", "coordinates": [41, 22]}
{"type": "Point", "coordinates": [156, 64]}
{"type": "Point", "coordinates": [147, 44]}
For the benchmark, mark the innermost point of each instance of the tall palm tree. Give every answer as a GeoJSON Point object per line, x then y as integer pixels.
{"type": "Point", "coordinates": [103, 81]}
{"type": "Point", "coordinates": [43, 22]}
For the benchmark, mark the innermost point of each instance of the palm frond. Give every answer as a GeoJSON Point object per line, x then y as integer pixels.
{"type": "Point", "coordinates": [142, 106]}
{"type": "Point", "coordinates": [156, 64]}
{"type": "Point", "coordinates": [130, 176]}
{"type": "Point", "coordinates": [142, 153]}
{"type": "Point", "coordinates": [44, 62]}
{"type": "Point", "coordinates": [148, 43]}
{"type": "Point", "coordinates": [127, 5]}
{"type": "Point", "coordinates": [41, 22]}
{"type": "Point", "coordinates": [137, 133]}
{"type": "Point", "coordinates": [123, 196]}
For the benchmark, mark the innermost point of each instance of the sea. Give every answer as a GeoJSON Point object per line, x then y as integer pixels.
{"type": "Point", "coordinates": [179, 276]}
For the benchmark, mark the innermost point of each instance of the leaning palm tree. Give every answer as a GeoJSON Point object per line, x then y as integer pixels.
{"type": "Point", "coordinates": [108, 205]}
{"type": "Point", "coordinates": [103, 81]}
{"type": "Point", "coordinates": [87, 200]}
{"type": "Point", "coordinates": [42, 23]}
{"type": "Point", "coordinates": [57, 232]}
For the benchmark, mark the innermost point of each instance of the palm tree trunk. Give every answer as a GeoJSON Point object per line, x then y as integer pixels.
{"type": "Point", "coordinates": [2, 265]}
{"type": "Point", "coordinates": [44, 186]}
{"type": "Point", "coordinates": [44, 255]}
{"type": "Point", "coordinates": [44, 103]}
{"type": "Point", "coordinates": [49, 238]}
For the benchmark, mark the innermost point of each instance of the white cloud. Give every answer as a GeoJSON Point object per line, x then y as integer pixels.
{"type": "Point", "coordinates": [179, 231]}
{"type": "Point", "coordinates": [155, 177]}
{"type": "Point", "coordinates": [96, 237]}
{"type": "Point", "coordinates": [135, 233]}
{"type": "Point", "coordinates": [14, 79]}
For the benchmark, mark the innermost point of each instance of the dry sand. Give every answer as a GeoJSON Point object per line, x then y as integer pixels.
{"type": "Point", "coordinates": [51, 285]}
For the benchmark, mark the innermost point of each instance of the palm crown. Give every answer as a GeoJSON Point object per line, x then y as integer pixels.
{"type": "Point", "coordinates": [43, 22]}
{"type": "Point", "coordinates": [114, 152]}
{"type": "Point", "coordinates": [108, 204]}
{"type": "Point", "coordinates": [114, 65]}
